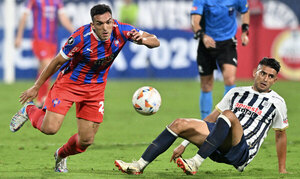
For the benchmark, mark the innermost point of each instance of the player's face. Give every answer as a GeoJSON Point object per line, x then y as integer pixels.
{"type": "Point", "coordinates": [102, 25]}
{"type": "Point", "coordinates": [264, 78]}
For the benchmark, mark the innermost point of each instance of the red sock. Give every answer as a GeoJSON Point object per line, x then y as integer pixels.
{"type": "Point", "coordinates": [36, 116]}
{"type": "Point", "coordinates": [43, 92]}
{"type": "Point", "coordinates": [72, 147]}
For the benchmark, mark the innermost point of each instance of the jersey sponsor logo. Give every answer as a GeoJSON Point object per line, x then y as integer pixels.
{"type": "Point", "coordinates": [247, 109]}
{"type": "Point", "coordinates": [104, 60]}
{"type": "Point", "coordinates": [71, 41]}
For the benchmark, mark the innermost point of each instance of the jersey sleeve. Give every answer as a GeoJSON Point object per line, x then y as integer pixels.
{"type": "Point", "coordinates": [60, 7]}
{"type": "Point", "coordinates": [73, 45]}
{"type": "Point", "coordinates": [243, 6]}
{"type": "Point", "coordinates": [197, 7]}
{"type": "Point", "coordinates": [225, 103]}
{"type": "Point", "coordinates": [28, 5]}
{"type": "Point", "coordinates": [280, 120]}
{"type": "Point", "coordinates": [125, 29]}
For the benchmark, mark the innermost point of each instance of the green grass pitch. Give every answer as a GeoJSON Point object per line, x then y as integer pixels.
{"type": "Point", "coordinates": [125, 134]}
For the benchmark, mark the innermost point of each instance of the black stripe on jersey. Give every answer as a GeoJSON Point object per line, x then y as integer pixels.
{"type": "Point", "coordinates": [253, 100]}
{"type": "Point", "coordinates": [241, 100]}
{"type": "Point", "coordinates": [244, 97]}
{"type": "Point", "coordinates": [263, 120]}
{"type": "Point", "coordinates": [254, 144]}
{"type": "Point", "coordinates": [252, 118]}
{"type": "Point", "coordinates": [233, 99]}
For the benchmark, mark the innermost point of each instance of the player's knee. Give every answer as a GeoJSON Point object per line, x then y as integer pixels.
{"type": "Point", "coordinates": [230, 116]}
{"type": "Point", "coordinates": [49, 130]}
{"type": "Point", "coordinates": [179, 125]}
{"type": "Point", "coordinates": [229, 81]}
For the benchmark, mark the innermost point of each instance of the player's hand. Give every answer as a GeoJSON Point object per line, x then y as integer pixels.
{"type": "Point", "coordinates": [18, 42]}
{"type": "Point", "coordinates": [136, 36]}
{"type": "Point", "coordinates": [178, 151]}
{"type": "Point", "coordinates": [208, 42]}
{"type": "Point", "coordinates": [28, 95]}
{"type": "Point", "coordinates": [245, 39]}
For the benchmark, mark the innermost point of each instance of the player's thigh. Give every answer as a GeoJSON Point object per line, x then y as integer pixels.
{"type": "Point", "coordinates": [86, 131]}
{"type": "Point", "coordinates": [52, 122]}
{"type": "Point", "coordinates": [205, 60]}
{"type": "Point", "coordinates": [194, 130]}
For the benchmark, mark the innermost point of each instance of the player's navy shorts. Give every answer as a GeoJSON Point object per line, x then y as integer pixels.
{"type": "Point", "coordinates": [236, 156]}
{"type": "Point", "coordinates": [208, 58]}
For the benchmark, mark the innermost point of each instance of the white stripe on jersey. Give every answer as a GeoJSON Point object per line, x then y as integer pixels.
{"type": "Point", "coordinates": [257, 112]}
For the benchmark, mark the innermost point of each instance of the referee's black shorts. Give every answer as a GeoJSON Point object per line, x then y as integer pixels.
{"type": "Point", "coordinates": [208, 58]}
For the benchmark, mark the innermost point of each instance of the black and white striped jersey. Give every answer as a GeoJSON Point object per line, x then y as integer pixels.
{"type": "Point", "coordinates": [257, 112]}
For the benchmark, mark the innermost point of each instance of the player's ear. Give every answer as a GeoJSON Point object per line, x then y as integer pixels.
{"type": "Point", "coordinates": [92, 25]}
{"type": "Point", "coordinates": [254, 72]}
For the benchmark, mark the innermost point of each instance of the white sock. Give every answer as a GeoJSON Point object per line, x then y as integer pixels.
{"type": "Point", "coordinates": [198, 159]}
{"type": "Point", "coordinates": [143, 163]}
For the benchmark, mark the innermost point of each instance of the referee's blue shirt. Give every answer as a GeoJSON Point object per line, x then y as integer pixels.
{"type": "Point", "coordinates": [219, 16]}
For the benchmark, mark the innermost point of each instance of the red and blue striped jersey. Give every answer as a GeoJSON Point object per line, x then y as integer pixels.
{"type": "Point", "coordinates": [45, 18]}
{"type": "Point", "coordinates": [89, 58]}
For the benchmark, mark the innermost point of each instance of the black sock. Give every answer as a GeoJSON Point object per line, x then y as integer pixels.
{"type": "Point", "coordinates": [159, 145]}
{"type": "Point", "coordinates": [215, 138]}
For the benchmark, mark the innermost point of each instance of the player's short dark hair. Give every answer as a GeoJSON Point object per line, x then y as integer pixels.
{"type": "Point", "coordinates": [270, 62]}
{"type": "Point", "coordinates": [100, 9]}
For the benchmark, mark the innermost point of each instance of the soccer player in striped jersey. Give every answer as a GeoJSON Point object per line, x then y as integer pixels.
{"type": "Point", "coordinates": [84, 62]}
{"type": "Point", "coordinates": [46, 14]}
{"type": "Point", "coordinates": [232, 133]}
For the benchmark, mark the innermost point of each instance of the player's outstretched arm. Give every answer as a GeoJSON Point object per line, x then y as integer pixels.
{"type": "Point", "coordinates": [149, 40]}
{"type": "Point", "coordinates": [32, 92]}
{"type": "Point", "coordinates": [20, 31]}
{"type": "Point", "coordinates": [281, 143]}
{"type": "Point", "coordinates": [66, 22]}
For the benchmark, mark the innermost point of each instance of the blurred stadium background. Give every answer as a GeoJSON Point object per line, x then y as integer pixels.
{"type": "Point", "coordinates": [274, 32]}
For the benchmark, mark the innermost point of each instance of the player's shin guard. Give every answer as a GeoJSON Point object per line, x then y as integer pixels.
{"type": "Point", "coordinates": [206, 103]}
{"type": "Point", "coordinates": [72, 147]}
{"type": "Point", "coordinates": [36, 116]}
{"type": "Point", "coordinates": [227, 88]}
{"type": "Point", "coordinates": [216, 137]}
{"type": "Point", "coordinates": [159, 145]}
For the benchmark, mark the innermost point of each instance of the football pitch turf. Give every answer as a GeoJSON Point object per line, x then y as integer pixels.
{"type": "Point", "coordinates": [125, 134]}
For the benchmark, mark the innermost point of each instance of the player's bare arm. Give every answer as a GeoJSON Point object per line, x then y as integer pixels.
{"type": "Point", "coordinates": [32, 92]}
{"type": "Point", "coordinates": [65, 21]}
{"type": "Point", "coordinates": [21, 28]}
{"type": "Point", "coordinates": [245, 25]}
{"type": "Point", "coordinates": [281, 143]}
{"type": "Point", "coordinates": [149, 40]}
{"type": "Point", "coordinates": [197, 29]}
